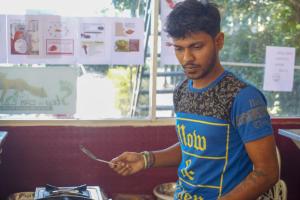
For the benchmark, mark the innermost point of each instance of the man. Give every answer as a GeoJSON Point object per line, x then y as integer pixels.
{"type": "Point", "coordinates": [226, 148]}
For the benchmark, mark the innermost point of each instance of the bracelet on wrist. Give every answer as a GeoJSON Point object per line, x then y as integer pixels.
{"type": "Point", "coordinates": [145, 160]}
{"type": "Point", "coordinates": [149, 159]}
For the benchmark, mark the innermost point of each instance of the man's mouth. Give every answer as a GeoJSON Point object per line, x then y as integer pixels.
{"type": "Point", "coordinates": [191, 68]}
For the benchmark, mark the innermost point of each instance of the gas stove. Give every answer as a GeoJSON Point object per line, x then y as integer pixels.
{"type": "Point", "coordinates": [82, 192]}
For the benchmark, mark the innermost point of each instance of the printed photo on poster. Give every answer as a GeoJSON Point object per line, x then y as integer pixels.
{"type": "Point", "coordinates": [128, 41]}
{"type": "Point", "coordinates": [125, 29]}
{"type": "Point", "coordinates": [59, 30]}
{"type": "Point", "coordinates": [60, 47]}
{"type": "Point", "coordinates": [127, 45]}
{"type": "Point", "coordinates": [24, 37]}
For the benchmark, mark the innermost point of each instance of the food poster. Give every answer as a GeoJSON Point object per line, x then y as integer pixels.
{"type": "Point", "coordinates": [3, 43]}
{"type": "Point", "coordinates": [45, 39]}
{"type": "Point", "coordinates": [24, 35]}
{"type": "Point", "coordinates": [94, 41]}
{"type": "Point", "coordinates": [60, 36]}
{"type": "Point", "coordinates": [128, 41]}
{"type": "Point", "coordinates": [167, 50]}
{"type": "Point", "coordinates": [41, 90]}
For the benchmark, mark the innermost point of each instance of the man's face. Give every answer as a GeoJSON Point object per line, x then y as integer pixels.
{"type": "Point", "coordinates": [198, 53]}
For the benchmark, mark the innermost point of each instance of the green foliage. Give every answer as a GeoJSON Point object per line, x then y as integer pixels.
{"type": "Point", "coordinates": [136, 7]}
{"type": "Point", "coordinates": [122, 79]}
{"type": "Point", "coordinates": [250, 26]}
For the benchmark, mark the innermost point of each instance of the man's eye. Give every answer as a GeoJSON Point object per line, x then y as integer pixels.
{"type": "Point", "coordinates": [178, 49]}
{"type": "Point", "coordinates": [197, 46]}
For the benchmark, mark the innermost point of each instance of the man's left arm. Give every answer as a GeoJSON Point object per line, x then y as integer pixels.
{"type": "Point", "coordinates": [265, 174]}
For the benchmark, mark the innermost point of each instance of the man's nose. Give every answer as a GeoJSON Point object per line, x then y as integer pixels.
{"type": "Point", "coordinates": [188, 56]}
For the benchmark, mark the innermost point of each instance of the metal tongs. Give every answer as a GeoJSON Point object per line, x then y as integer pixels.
{"type": "Point", "coordinates": [92, 156]}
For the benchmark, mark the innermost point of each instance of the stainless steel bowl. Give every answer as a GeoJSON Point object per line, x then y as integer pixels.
{"type": "Point", "coordinates": [22, 196]}
{"type": "Point", "coordinates": [165, 191]}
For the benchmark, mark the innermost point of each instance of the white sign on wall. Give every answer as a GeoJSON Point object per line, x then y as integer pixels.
{"type": "Point", "coordinates": [3, 43]}
{"type": "Point", "coordinates": [279, 68]}
{"type": "Point", "coordinates": [50, 90]}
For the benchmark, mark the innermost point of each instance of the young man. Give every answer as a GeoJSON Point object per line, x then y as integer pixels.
{"type": "Point", "coordinates": [226, 148]}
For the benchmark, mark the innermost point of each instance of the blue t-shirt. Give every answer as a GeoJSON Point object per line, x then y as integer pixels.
{"type": "Point", "coordinates": [213, 124]}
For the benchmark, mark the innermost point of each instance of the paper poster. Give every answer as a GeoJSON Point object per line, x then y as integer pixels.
{"type": "Point", "coordinates": [94, 41]}
{"type": "Point", "coordinates": [167, 51]}
{"type": "Point", "coordinates": [128, 41]}
{"type": "Point", "coordinates": [49, 39]}
{"type": "Point", "coordinates": [50, 90]}
{"type": "Point", "coordinates": [60, 37]}
{"type": "Point", "coordinates": [24, 36]}
{"type": "Point", "coordinates": [279, 68]}
{"type": "Point", "coordinates": [3, 43]}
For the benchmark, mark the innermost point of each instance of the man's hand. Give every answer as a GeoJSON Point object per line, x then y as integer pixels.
{"type": "Point", "coordinates": [128, 163]}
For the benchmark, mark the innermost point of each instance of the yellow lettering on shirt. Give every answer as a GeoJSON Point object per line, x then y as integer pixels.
{"type": "Point", "coordinates": [187, 196]}
{"type": "Point", "coordinates": [188, 173]}
{"type": "Point", "coordinates": [191, 140]}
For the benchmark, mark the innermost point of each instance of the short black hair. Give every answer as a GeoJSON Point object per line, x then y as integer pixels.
{"type": "Point", "coordinates": [192, 16]}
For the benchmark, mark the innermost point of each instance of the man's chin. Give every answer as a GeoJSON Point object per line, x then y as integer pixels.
{"type": "Point", "coordinates": [194, 76]}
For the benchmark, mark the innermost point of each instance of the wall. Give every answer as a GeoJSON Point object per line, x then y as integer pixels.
{"type": "Point", "coordinates": [290, 160]}
{"type": "Point", "coordinates": [37, 155]}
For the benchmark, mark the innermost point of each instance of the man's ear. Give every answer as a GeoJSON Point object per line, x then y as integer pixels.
{"type": "Point", "coordinates": [219, 40]}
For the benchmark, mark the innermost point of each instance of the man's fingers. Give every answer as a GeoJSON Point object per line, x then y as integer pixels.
{"type": "Point", "coordinates": [126, 170]}
{"type": "Point", "coordinates": [120, 167]}
{"type": "Point", "coordinates": [124, 157]}
{"type": "Point", "coordinates": [126, 163]}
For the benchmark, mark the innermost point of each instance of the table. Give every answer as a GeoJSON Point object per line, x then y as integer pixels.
{"type": "Point", "coordinates": [293, 134]}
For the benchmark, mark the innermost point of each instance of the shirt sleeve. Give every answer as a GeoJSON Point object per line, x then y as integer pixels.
{"type": "Point", "coordinates": [249, 115]}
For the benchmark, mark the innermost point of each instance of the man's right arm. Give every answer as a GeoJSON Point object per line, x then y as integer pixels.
{"type": "Point", "coordinates": [132, 162]}
{"type": "Point", "coordinates": [168, 157]}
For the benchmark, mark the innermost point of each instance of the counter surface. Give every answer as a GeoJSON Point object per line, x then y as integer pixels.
{"type": "Point", "coordinates": [293, 134]}
{"type": "Point", "coordinates": [3, 136]}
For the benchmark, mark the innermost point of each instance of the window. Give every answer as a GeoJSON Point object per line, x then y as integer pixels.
{"type": "Point", "coordinates": [104, 91]}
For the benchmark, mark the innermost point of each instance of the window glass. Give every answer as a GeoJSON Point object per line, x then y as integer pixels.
{"type": "Point", "coordinates": [103, 91]}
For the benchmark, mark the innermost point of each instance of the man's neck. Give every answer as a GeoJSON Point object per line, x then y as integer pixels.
{"type": "Point", "coordinates": [209, 78]}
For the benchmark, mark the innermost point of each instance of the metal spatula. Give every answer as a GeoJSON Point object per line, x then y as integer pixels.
{"type": "Point", "coordinates": [92, 156]}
